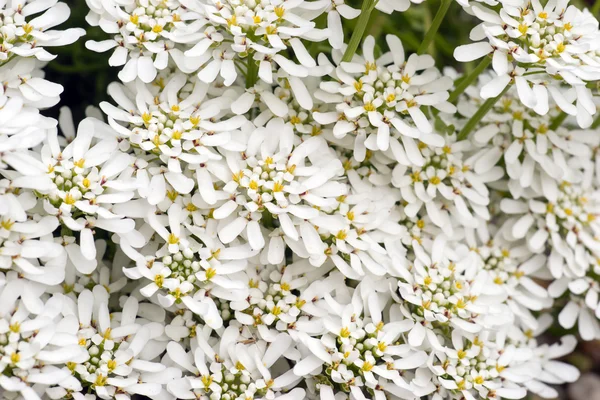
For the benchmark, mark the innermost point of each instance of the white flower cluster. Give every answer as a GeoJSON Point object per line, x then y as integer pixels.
{"type": "Point", "coordinates": [35, 336]}
{"type": "Point", "coordinates": [534, 45]}
{"type": "Point", "coordinates": [249, 219]}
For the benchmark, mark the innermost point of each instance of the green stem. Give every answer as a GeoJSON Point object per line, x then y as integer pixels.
{"type": "Point", "coordinates": [466, 81]}
{"type": "Point", "coordinates": [435, 25]}
{"type": "Point", "coordinates": [251, 73]}
{"type": "Point", "coordinates": [478, 116]}
{"type": "Point", "coordinates": [427, 20]}
{"type": "Point", "coordinates": [556, 122]}
{"type": "Point", "coordinates": [596, 122]}
{"type": "Point", "coordinates": [596, 8]}
{"type": "Point", "coordinates": [359, 30]}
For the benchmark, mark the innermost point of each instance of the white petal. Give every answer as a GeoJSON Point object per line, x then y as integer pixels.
{"type": "Point", "coordinates": [473, 51]}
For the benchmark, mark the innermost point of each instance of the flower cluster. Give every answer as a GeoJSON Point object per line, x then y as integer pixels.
{"type": "Point", "coordinates": [534, 44]}
{"type": "Point", "coordinates": [265, 210]}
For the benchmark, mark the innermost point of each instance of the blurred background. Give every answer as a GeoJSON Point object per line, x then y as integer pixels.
{"type": "Point", "coordinates": [85, 76]}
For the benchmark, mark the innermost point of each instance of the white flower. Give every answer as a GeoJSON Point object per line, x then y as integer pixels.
{"type": "Point", "coordinates": [437, 291]}
{"type": "Point", "coordinates": [292, 236]}
{"type": "Point", "coordinates": [22, 126]}
{"type": "Point", "coordinates": [443, 181]}
{"type": "Point", "coordinates": [277, 179]}
{"type": "Point", "coordinates": [144, 36]}
{"type": "Point", "coordinates": [178, 118]}
{"type": "Point", "coordinates": [480, 367]}
{"type": "Point", "coordinates": [23, 244]}
{"type": "Point", "coordinates": [390, 6]}
{"type": "Point", "coordinates": [552, 371]}
{"type": "Point", "coordinates": [118, 350]}
{"type": "Point", "coordinates": [359, 353]}
{"type": "Point", "coordinates": [530, 149]}
{"type": "Point", "coordinates": [556, 41]}
{"type": "Point", "coordinates": [374, 94]}
{"type": "Point", "coordinates": [567, 228]}
{"type": "Point", "coordinates": [189, 274]}
{"type": "Point", "coordinates": [79, 184]}
{"type": "Point", "coordinates": [582, 304]}
{"type": "Point", "coordinates": [512, 270]}
{"type": "Point", "coordinates": [26, 33]}
{"type": "Point", "coordinates": [23, 77]}
{"type": "Point", "coordinates": [231, 367]}
{"type": "Point", "coordinates": [258, 32]}
{"type": "Point", "coordinates": [336, 10]}
{"type": "Point", "coordinates": [273, 305]}
{"type": "Point", "coordinates": [34, 349]}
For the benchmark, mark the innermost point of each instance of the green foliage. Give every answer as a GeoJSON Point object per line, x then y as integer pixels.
{"type": "Point", "coordinates": [84, 74]}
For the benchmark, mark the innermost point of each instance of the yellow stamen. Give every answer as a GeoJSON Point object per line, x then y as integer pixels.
{"type": "Point", "coordinates": [210, 273]}
{"type": "Point", "coordinates": [345, 332]}
{"type": "Point", "coordinates": [7, 224]}
{"type": "Point", "coordinates": [172, 239]}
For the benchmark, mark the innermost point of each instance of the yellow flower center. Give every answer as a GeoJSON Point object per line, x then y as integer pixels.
{"type": "Point", "coordinates": [111, 364]}
{"type": "Point", "coordinates": [7, 224]}
{"type": "Point", "coordinates": [279, 11]}
{"type": "Point", "coordinates": [69, 199]}
{"type": "Point", "coordinates": [369, 107]}
{"type": "Point", "coordinates": [207, 381]}
{"type": "Point", "coordinates": [172, 239]}
{"type": "Point", "coordinates": [107, 333]}
{"type": "Point", "coordinates": [367, 366]}
{"type": "Point", "coordinates": [210, 273]}
{"type": "Point", "coordinates": [341, 235]}
{"type": "Point", "coordinates": [523, 29]}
